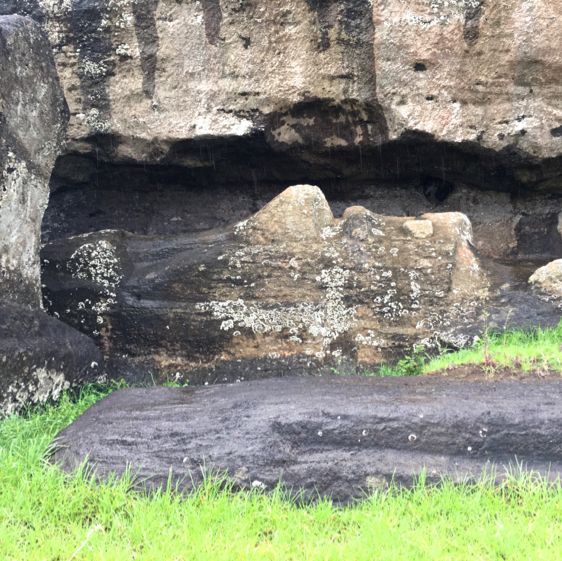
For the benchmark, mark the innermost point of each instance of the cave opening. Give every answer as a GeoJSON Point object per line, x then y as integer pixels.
{"type": "Point", "coordinates": [192, 187]}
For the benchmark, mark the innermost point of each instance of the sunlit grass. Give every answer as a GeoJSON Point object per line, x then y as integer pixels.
{"type": "Point", "coordinates": [48, 516]}
{"type": "Point", "coordinates": [537, 349]}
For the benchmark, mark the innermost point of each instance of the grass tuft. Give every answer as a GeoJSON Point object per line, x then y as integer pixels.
{"type": "Point", "coordinates": [537, 349]}
{"type": "Point", "coordinates": [534, 350]}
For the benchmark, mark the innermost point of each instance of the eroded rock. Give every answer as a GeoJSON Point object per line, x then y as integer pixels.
{"type": "Point", "coordinates": [300, 215]}
{"type": "Point", "coordinates": [155, 73]}
{"type": "Point", "coordinates": [290, 286]}
{"type": "Point", "coordinates": [39, 356]}
{"type": "Point", "coordinates": [419, 228]}
{"type": "Point", "coordinates": [498, 84]}
{"type": "Point", "coordinates": [313, 91]}
{"type": "Point", "coordinates": [548, 281]}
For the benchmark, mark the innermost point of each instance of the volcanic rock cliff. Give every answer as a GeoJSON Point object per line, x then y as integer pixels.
{"type": "Point", "coordinates": [440, 119]}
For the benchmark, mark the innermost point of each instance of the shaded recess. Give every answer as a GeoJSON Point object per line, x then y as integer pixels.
{"type": "Point", "coordinates": [234, 177]}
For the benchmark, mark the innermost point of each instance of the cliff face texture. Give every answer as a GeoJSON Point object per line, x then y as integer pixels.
{"type": "Point", "coordinates": [157, 73]}
{"type": "Point", "coordinates": [316, 78]}
{"type": "Point", "coordinates": [479, 71]}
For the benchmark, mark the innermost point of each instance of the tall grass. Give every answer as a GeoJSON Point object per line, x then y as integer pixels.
{"type": "Point", "coordinates": [48, 516]}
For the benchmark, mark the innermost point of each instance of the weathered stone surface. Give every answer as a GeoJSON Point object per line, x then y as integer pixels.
{"type": "Point", "coordinates": [33, 117]}
{"type": "Point", "coordinates": [548, 280]}
{"type": "Point", "coordinates": [419, 228]}
{"type": "Point", "coordinates": [340, 437]}
{"type": "Point", "coordinates": [155, 73]}
{"type": "Point", "coordinates": [292, 282]}
{"type": "Point", "coordinates": [479, 71]}
{"type": "Point", "coordinates": [39, 356]}
{"type": "Point", "coordinates": [444, 90]}
{"type": "Point", "coordinates": [188, 116]}
{"type": "Point", "coordinates": [299, 215]}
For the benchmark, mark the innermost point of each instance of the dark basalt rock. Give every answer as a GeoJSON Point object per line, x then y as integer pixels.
{"type": "Point", "coordinates": [292, 288]}
{"type": "Point", "coordinates": [292, 284]}
{"type": "Point", "coordinates": [40, 357]}
{"type": "Point", "coordinates": [339, 437]}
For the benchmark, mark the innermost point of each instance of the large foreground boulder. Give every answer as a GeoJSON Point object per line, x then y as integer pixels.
{"type": "Point", "coordinates": [290, 287]}
{"type": "Point", "coordinates": [39, 356]}
{"type": "Point", "coordinates": [336, 436]}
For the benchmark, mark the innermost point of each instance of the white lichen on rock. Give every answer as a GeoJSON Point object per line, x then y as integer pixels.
{"type": "Point", "coordinates": [97, 262]}
{"type": "Point", "coordinates": [43, 385]}
{"type": "Point", "coordinates": [93, 69]}
{"type": "Point", "coordinates": [458, 6]}
{"type": "Point", "coordinates": [96, 122]}
{"type": "Point", "coordinates": [123, 50]}
{"type": "Point", "coordinates": [370, 339]}
{"type": "Point", "coordinates": [325, 320]}
{"type": "Point", "coordinates": [439, 12]}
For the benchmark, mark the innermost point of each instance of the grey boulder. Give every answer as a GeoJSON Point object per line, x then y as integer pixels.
{"type": "Point", "coordinates": [39, 356]}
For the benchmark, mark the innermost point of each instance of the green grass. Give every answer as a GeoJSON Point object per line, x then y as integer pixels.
{"type": "Point", "coordinates": [538, 349]}
{"type": "Point", "coordinates": [47, 516]}
{"type": "Point", "coordinates": [533, 350]}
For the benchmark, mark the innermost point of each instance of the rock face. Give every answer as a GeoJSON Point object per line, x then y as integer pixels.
{"type": "Point", "coordinates": [32, 128]}
{"type": "Point", "coordinates": [438, 90]}
{"type": "Point", "coordinates": [156, 74]}
{"type": "Point", "coordinates": [187, 116]}
{"type": "Point", "coordinates": [292, 286]}
{"type": "Point", "coordinates": [40, 357]}
{"type": "Point", "coordinates": [548, 281]}
{"type": "Point", "coordinates": [340, 437]}
{"type": "Point", "coordinates": [486, 72]}
{"type": "Point", "coordinates": [36, 352]}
